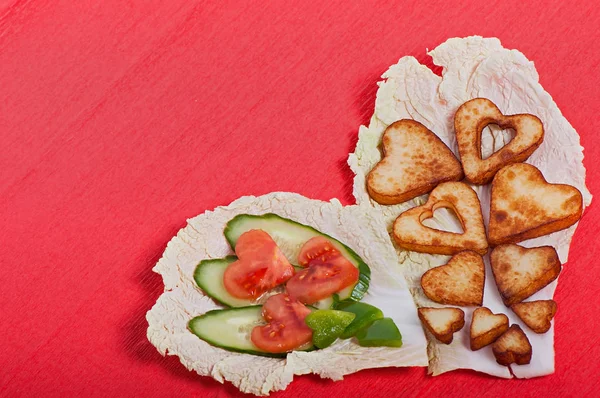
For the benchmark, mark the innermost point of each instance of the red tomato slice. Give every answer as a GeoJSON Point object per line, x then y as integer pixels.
{"type": "Point", "coordinates": [328, 272]}
{"type": "Point", "coordinates": [260, 266]}
{"type": "Point", "coordinates": [286, 329]}
{"type": "Point", "coordinates": [318, 247]}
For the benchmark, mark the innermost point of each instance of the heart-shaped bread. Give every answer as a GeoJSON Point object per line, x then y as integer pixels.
{"type": "Point", "coordinates": [442, 323]}
{"type": "Point", "coordinates": [459, 282]}
{"type": "Point", "coordinates": [537, 315]}
{"type": "Point", "coordinates": [512, 347]}
{"type": "Point", "coordinates": [410, 233]}
{"type": "Point", "coordinates": [414, 161]}
{"type": "Point", "coordinates": [470, 120]}
{"type": "Point", "coordinates": [486, 327]}
{"type": "Point", "coordinates": [525, 206]}
{"type": "Point", "coordinates": [520, 272]}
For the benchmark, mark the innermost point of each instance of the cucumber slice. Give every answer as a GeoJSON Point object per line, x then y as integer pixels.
{"type": "Point", "coordinates": [290, 236]}
{"type": "Point", "coordinates": [230, 329]}
{"type": "Point", "coordinates": [209, 277]}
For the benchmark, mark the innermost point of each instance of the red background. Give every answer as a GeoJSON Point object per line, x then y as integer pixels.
{"type": "Point", "coordinates": [120, 119]}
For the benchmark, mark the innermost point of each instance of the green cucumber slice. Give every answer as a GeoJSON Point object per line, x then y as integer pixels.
{"type": "Point", "coordinates": [290, 236]}
{"type": "Point", "coordinates": [365, 315]}
{"type": "Point", "coordinates": [328, 325]}
{"type": "Point", "coordinates": [230, 329]}
{"type": "Point", "coordinates": [209, 277]}
{"type": "Point", "coordinates": [381, 333]}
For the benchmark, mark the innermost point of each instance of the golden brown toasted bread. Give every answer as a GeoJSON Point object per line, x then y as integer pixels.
{"type": "Point", "coordinates": [469, 121]}
{"type": "Point", "coordinates": [525, 206]}
{"type": "Point", "coordinates": [442, 322]}
{"type": "Point", "coordinates": [410, 233]}
{"type": "Point", "coordinates": [512, 347]}
{"type": "Point", "coordinates": [414, 161]}
{"type": "Point", "coordinates": [536, 314]}
{"type": "Point", "coordinates": [459, 282]}
{"type": "Point", "coordinates": [486, 327]}
{"type": "Point", "coordinates": [520, 272]}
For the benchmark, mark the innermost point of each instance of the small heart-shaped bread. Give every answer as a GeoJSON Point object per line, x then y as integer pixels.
{"type": "Point", "coordinates": [459, 282]}
{"type": "Point", "coordinates": [537, 315]}
{"type": "Point", "coordinates": [442, 322]}
{"type": "Point", "coordinates": [512, 347]}
{"type": "Point", "coordinates": [486, 327]}
{"type": "Point", "coordinates": [525, 206]}
{"type": "Point", "coordinates": [410, 233]}
{"type": "Point", "coordinates": [414, 161]}
{"type": "Point", "coordinates": [521, 272]}
{"type": "Point", "coordinates": [469, 121]}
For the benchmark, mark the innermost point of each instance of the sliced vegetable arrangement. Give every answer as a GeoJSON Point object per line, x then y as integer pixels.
{"type": "Point", "coordinates": [279, 307]}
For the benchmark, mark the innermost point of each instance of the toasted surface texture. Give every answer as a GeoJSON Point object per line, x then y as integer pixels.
{"type": "Point", "coordinates": [410, 233]}
{"type": "Point", "coordinates": [513, 347]}
{"type": "Point", "coordinates": [486, 327]}
{"type": "Point", "coordinates": [459, 282]}
{"type": "Point", "coordinates": [442, 322]}
{"type": "Point", "coordinates": [203, 238]}
{"type": "Point", "coordinates": [472, 117]}
{"type": "Point", "coordinates": [474, 67]}
{"type": "Point", "coordinates": [415, 161]}
{"type": "Point", "coordinates": [525, 206]}
{"type": "Point", "coordinates": [537, 315]}
{"type": "Point", "coordinates": [520, 272]}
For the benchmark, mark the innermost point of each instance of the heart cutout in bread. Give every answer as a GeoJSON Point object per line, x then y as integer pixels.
{"type": "Point", "coordinates": [414, 161]}
{"type": "Point", "coordinates": [486, 327]}
{"type": "Point", "coordinates": [410, 233]}
{"type": "Point", "coordinates": [459, 282]}
{"type": "Point", "coordinates": [470, 120]}
{"type": "Point", "coordinates": [524, 205]}
{"type": "Point", "coordinates": [520, 272]}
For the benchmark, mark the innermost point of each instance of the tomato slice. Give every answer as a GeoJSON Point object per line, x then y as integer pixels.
{"type": "Point", "coordinates": [328, 272]}
{"type": "Point", "coordinates": [318, 247]}
{"type": "Point", "coordinates": [260, 266]}
{"type": "Point", "coordinates": [286, 329]}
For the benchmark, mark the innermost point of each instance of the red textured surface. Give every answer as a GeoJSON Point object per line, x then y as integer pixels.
{"type": "Point", "coordinates": [120, 119]}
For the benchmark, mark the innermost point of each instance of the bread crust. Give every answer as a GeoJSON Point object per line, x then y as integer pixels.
{"type": "Point", "coordinates": [470, 120]}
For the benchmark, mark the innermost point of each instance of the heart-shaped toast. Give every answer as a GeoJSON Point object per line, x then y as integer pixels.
{"type": "Point", "coordinates": [512, 347]}
{"type": "Point", "coordinates": [524, 205]}
{"type": "Point", "coordinates": [520, 272]}
{"type": "Point", "coordinates": [415, 160]}
{"type": "Point", "coordinates": [459, 282]}
{"type": "Point", "coordinates": [470, 120]}
{"type": "Point", "coordinates": [442, 323]}
{"type": "Point", "coordinates": [486, 327]}
{"type": "Point", "coordinates": [410, 233]}
{"type": "Point", "coordinates": [537, 315]}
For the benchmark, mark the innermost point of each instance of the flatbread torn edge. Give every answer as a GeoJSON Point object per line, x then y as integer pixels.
{"type": "Point", "coordinates": [358, 227]}
{"type": "Point", "coordinates": [472, 67]}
